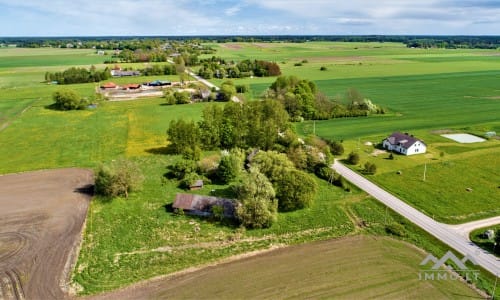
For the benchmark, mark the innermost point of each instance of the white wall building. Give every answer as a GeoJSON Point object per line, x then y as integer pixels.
{"type": "Point", "coordinates": [404, 144]}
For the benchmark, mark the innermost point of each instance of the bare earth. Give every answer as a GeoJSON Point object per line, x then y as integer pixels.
{"type": "Point", "coordinates": [357, 267]}
{"type": "Point", "coordinates": [41, 218]}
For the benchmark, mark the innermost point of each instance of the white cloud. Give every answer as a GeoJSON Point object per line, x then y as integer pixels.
{"type": "Point", "coordinates": [231, 11]}
{"type": "Point", "coordinates": [184, 17]}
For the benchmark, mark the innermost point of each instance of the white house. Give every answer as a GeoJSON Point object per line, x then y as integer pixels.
{"type": "Point", "coordinates": [404, 144]}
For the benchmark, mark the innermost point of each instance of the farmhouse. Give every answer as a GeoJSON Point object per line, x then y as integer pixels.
{"type": "Point", "coordinates": [404, 144]}
{"type": "Point", "coordinates": [199, 205]}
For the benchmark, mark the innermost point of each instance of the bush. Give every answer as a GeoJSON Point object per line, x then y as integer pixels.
{"type": "Point", "coordinates": [230, 166]}
{"type": "Point", "coordinates": [242, 88]}
{"type": "Point", "coordinates": [69, 100]}
{"type": "Point", "coordinates": [295, 190]}
{"type": "Point", "coordinates": [395, 229]}
{"type": "Point", "coordinates": [370, 168]}
{"type": "Point", "coordinates": [325, 172]}
{"type": "Point", "coordinates": [323, 68]}
{"type": "Point", "coordinates": [118, 178]}
{"type": "Point", "coordinates": [353, 158]}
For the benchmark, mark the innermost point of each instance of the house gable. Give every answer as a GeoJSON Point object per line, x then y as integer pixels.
{"type": "Point", "coordinates": [404, 144]}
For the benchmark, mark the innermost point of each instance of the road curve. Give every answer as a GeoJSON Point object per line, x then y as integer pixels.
{"type": "Point", "coordinates": [443, 232]}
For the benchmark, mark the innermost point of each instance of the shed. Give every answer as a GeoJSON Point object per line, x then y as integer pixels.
{"type": "Point", "coordinates": [200, 205]}
{"type": "Point", "coordinates": [131, 86]}
{"type": "Point", "coordinates": [198, 184]}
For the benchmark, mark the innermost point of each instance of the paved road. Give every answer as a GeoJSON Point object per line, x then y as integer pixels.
{"type": "Point", "coordinates": [445, 233]}
{"type": "Point", "coordinates": [466, 228]}
{"type": "Point", "coordinates": [204, 81]}
{"type": "Point", "coordinates": [200, 79]}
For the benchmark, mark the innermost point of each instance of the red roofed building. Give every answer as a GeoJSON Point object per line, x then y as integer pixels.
{"type": "Point", "coordinates": [109, 85]}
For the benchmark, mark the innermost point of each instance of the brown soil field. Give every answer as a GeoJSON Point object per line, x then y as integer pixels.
{"type": "Point", "coordinates": [41, 219]}
{"type": "Point", "coordinates": [356, 267]}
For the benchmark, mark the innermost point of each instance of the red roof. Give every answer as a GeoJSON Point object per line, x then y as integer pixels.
{"type": "Point", "coordinates": [109, 85]}
{"type": "Point", "coordinates": [131, 86]}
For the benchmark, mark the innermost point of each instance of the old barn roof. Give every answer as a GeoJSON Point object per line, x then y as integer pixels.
{"type": "Point", "coordinates": [202, 205]}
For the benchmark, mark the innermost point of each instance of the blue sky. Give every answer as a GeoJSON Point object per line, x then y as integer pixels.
{"type": "Point", "coordinates": [248, 17]}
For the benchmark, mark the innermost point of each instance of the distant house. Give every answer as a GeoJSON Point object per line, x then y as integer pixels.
{"type": "Point", "coordinates": [100, 52]}
{"type": "Point", "coordinates": [109, 85]}
{"type": "Point", "coordinates": [404, 144]}
{"type": "Point", "coordinates": [199, 205]}
{"type": "Point", "coordinates": [120, 73]}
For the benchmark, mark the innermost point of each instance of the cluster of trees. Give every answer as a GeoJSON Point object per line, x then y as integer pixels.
{"type": "Point", "coordinates": [259, 124]}
{"type": "Point", "coordinates": [263, 182]}
{"type": "Point", "coordinates": [78, 75]}
{"type": "Point", "coordinates": [156, 70]}
{"type": "Point", "coordinates": [177, 97]}
{"type": "Point", "coordinates": [118, 178]}
{"type": "Point", "coordinates": [69, 100]}
{"type": "Point", "coordinates": [302, 100]}
{"type": "Point", "coordinates": [153, 55]}
{"type": "Point", "coordinates": [219, 68]}
{"type": "Point", "coordinates": [274, 178]}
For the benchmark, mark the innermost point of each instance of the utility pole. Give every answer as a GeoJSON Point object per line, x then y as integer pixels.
{"type": "Point", "coordinates": [425, 170]}
{"type": "Point", "coordinates": [314, 127]}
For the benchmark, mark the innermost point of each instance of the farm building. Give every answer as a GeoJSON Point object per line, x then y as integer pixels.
{"type": "Point", "coordinates": [199, 205]}
{"type": "Point", "coordinates": [404, 144]}
{"type": "Point", "coordinates": [120, 73]}
{"type": "Point", "coordinates": [109, 85]}
{"type": "Point", "coordinates": [131, 86]}
{"type": "Point", "coordinates": [160, 83]}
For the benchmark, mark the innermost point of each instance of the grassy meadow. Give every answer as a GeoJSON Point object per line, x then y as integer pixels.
{"type": "Point", "coordinates": [128, 240]}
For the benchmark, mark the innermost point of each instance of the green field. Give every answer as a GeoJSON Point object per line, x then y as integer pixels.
{"type": "Point", "coordinates": [134, 239]}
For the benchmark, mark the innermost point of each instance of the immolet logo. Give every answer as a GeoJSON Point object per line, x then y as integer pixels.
{"type": "Point", "coordinates": [436, 272]}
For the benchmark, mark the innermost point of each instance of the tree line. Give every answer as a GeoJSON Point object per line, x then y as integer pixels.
{"type": "Point", "coordinates": [219, 68]}
{"type": "Point", "coordinates": [78, 75]}
{"type": "Point", "coordinates": [303, 101]}
{"type": "Point", "coordinates": [194, 42]}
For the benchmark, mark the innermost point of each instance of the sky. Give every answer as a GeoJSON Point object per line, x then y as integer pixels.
{"type": "Point", "coordinates": [248, 17]}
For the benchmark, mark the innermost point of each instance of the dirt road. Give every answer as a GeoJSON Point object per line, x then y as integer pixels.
{"type": "Point", "coordinates": [41, 217]}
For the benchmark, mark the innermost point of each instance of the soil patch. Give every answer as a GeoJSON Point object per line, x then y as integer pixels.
{"type": "Point", "coordinates": [357, 267]}
{"type": "Point", "coordinates": [41, 220]}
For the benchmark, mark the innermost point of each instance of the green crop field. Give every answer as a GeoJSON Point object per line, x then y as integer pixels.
{"type": "Point", "coordinates": [134, 239]}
